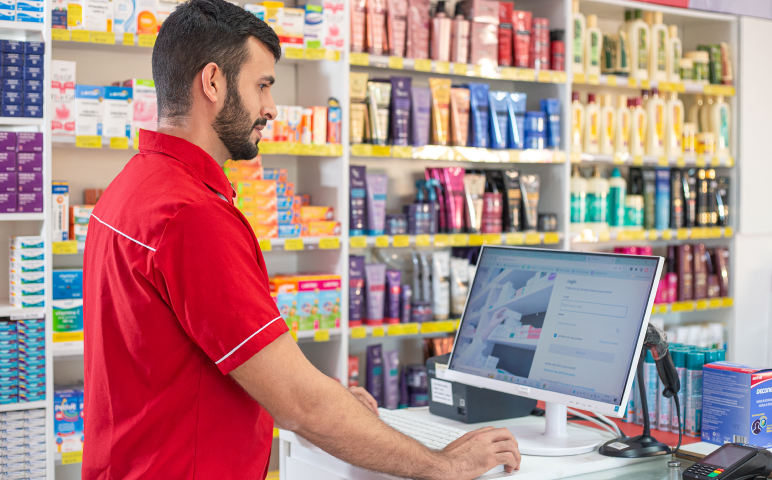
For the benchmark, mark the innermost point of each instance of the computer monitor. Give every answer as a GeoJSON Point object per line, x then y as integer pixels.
{"type": "Point", "coordinates": [563, 327]}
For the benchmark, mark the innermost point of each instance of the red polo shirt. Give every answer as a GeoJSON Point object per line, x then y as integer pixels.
{"type": "Point", "coordinates": [175, 296]}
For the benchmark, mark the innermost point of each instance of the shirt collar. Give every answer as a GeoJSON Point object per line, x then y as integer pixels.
{"type": "Point", "coordinates": [194, 157]}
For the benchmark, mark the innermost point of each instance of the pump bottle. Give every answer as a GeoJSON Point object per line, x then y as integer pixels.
{"type": "Point", "coordinates": [591, 126]}
{"type": "Point", "coordinates": [593, 46]}
{"type": "Point", "coordinates": [608, 124]}
{"type": "Point", "coordinates": [658, 51]}
{"type": "Point", "coordinates": [441, 26]}
{"type": "Point", "coordinates": [622, 129]}
{"type": "Point", "coordinates": [655, 110]}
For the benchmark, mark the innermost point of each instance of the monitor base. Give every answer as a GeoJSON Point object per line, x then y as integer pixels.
{"type": "Point", "coordinates": [635, 447]}
{"type": "Point", "coordinates": [556, 439]}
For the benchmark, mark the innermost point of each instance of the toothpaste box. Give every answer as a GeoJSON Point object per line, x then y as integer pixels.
{"type": "Point", "coordinates": [288, 308]}
{"type": "Point", "coordinates": [27, 278]}
{"type": "Point", "coordinates": [29, 202]}
{"type": "Point", "coordinates": [29, 162]}
{"type": "Point", "coordinates": [79, 233]}
{"type": "Point", "coordinates": [88, 110]}
{"type": "Point", "coordinates": [67, 284]}
{"type": "Point", "coordinates": [29, 142]}
{"type": "Point", "coordinates": [736, 404]}
{"type": "Point", "coordinates": [68, 425]}
{"type": "Point", "coordinates": [117, 112]}
{"type": "Point", "coordinates": [292, 25]}
{"type": "Point", "coordinates": [329, 302]}
{"type": "Point", "coordinates": [63, 97]}
{"type": "Point", "coordinates": [60, 206]}
{"type": "Point", "coordinates": [289, 231]}
{"type": "Point", "coordinates": [80, 214]}
{"type": "Point", "coordinates": [7, 161]}
{"type": "Point", "coordinates": [29, 182]}
{"type": "Point", "coordinates": [27, 266]}
{"type": "Point", "coordinates": [28, 242]}
{"type": "Point", "coordinates": [8, 182]}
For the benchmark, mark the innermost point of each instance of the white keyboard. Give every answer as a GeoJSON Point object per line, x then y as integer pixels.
{"type": "Point", "coordinates": [430, 434]}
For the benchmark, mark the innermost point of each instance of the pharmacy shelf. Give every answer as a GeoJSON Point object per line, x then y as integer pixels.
{"type": "Point", "coordinates": [16, 313]}
{"type": "Point", "coordinates": [317, 336]}
{"type": "Point", "coordinates": [456, 240]}
{"type": "Point", "coordinates": [679, 87]}
{"type": "Point", "coordinates": [700, 161]}
{"type": "Point", "coordinates": [457, 154]}
{"type": "Point", "coordinates": [13, 407]}
{"type": "Point", "coordinates": [6, 26]}
{"type": "Point", "coordinates": [458, 69]}
{"type": "Point", "coordinates": [22, 121]}
{"type": "Point", "coordinates": [404, 329]}
{"type": "Point", "coordinates": [692, 306]}
{"type": "Point", "coordinates": [639, 235]}
{"type": "Point", "coordinates": [70, 458]}
{"type": "Point", "coordinates": [61, 351]}
{"type": "Point", "coordinates": [20, 217]}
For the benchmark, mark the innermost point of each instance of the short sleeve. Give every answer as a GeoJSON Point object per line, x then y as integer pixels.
{"type": "Point", "coordinates": [209, 269]}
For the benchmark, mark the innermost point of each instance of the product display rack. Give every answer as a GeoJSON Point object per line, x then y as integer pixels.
{"type": "Point", "coordinates": [310, 78]}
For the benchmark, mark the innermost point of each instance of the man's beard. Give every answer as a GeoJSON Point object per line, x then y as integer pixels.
{"type": "Point", "coordinates": [234, 127]}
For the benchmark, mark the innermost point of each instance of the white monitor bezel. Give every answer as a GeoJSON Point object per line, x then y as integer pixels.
{"type": "Point", "coordinates": [554, 397]}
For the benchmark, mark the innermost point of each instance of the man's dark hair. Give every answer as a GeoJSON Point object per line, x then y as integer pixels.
{"type": "Point", "coordinates": [199, 32]}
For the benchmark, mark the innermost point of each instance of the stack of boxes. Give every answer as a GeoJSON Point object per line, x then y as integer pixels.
{"type": "Point", "coordinates": [22, 76]}
{"type": "Point", "coordinates": [308, 302]}
{"type": "Point", "coordinates": [23, 437]}
{"type": "Point", "coordinates": [68, 419]}
{"type": "Point", "coordinates": [22, 10]}
{"type": "Point", "coordinates": [27, 272]}
{"type": "Point", "coordinates": [32, 359]}
{"type": "Point", "coordinates": [79, 217]}
{"type": "Point", "coordinates": [67, 305]}
{"type": "Point", "coordinates": [9, 363]}
{"type": "Point", "coordinates": [310, 26]}
{"type": "Point", "coordinates": [63, 98]}
{"type": "Point", "coordinates": [308, 126]}
{"type": "Point", "coordinates": [21, 172]}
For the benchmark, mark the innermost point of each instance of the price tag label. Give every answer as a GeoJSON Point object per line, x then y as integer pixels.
{"type": "Point", "coordinates": [624, 236]}
{"type": "Point", "coordinates": [265, 245]}
{"type": "Point", "coordinates": [682, 234]}
{"type": "Point", "coordinates": [714, 232]}
{"type": "Point", "coordinates": [445, 326]}
{"type": "Point", "coordinates": [332, 55]}
{"type": "Point", "coordinates": [119, 143]}
{"type": "Point", "coordinates": [382, 241]}
{"type": "Point", "coordinates": [611, 80]}
{"type": "Point", "coordinates": [667, 234]}
{"type": "Point", "coordinates": [728, 232]}
{"type": "Point", "coordinates": [730, 161]}
{"type": "Point", "coordinates": [716, 161]}
{"type": "Point", "coordinates": [410, 328]}
{"type": "Point", "coordinates": [70, 247]}
{"type": "Point", "coordinates": [401, 241]}
{"type": "Point", "coordinates": [293, 244]}
{"type": "Point", "coordinates": [441, 240]}
{"type": "Point", "coordinates": [429, 327]}
{"type": "Point", "coordinates": [638, 160]}
{"type": "Point", "coordinates": [362, 59]}
{"type": "Point", "coordinates": [82, 36]}
{"type": "Point", "coordinates": [680, 162]}
{"type": "Point", "coordinates": [381, 151]}
{"type": "Point", "coordinates": [88, 141]}
{"type": "Point", "coordinates": [728, 302]}
{"type": "Point", "coordinates": [580, 78]}
{"type": "Point", "coordinates": [332, 243]}
{"type": "Point", "coordinates": [593, 80]}
{"type": "Point", "coordinates": [147, 40]}
{"type": "Point", "coordinates": [401, 152]}
{"type": "Point", "coordinates": [275, 433]}
{"type": "Point", "coordinates": [477, 71]}
{"type": "Point", "coordinates": [69, 458]}
{"type": "Point", "coordinates": [653, 235]}
{"type": "Point", "coordinates": [306, 150]}
{"type": "Point", "coordinates": [423, 241]}
{"type": "Point", "coordinates": [683, 306]}
{"type": "Point", "coordinates": [458, 240]}
{"type": "Point", "coordinates": [551, 238]}
{"type": "Point", "coordinates": [422, 65]}
{"type": "Point", "coordinates": [104, 38]}
{"type": "Point", "coordinates": [396, 63]}
{"type": "Point", "coordinates": [532, 239]}
{"type": "Point", "coordinates": [442, 67]}
{"type": "Point", "coordinates": [663, 162]}
{"type": "Point", "coordinates": [699, 233]}
{"type": "Point", "coordinates": [559, 77]}
{"type": "Point", "coordinates": [514, 238]}
{"type": "Point", "coordinates": [459, 68]}
{"type": "Point", "coordinates": [322, 336]}
{"type": "Point", "coordinates": [702, 305]}
{"type": "Point", "coordinates": [491, 239]}
{"type": "Point", "coordinates": [60, 34]}
{"type": "Point", "coordinates": [358, 150]}
{"type": "Point", "coordinates": [359, 332]}
{"type": "Point", "coordinates": [315, 53]}
{"type": "Point", "coordinates": [715, 303]}
{"type": "Point", "coordinates": [699, 161]}
{"type": "Point", "coordinates": [632, 83]}
{"type": "Point", "coordinates": [645, 85]}
{"type": "Point", "coordinates": [68, 337]}
{"type": "Point", "coordinates": [135, 141]}
{"type": "Point", "coordinates": [378, 332]}
{"type": "Point", "coordinates": [358, 242]}
{"type": "Point", "coordinates": [294, 334]}
{"type": "Point", "coordinates": [604, 237]}
{"type": "Point", "coordinates": [509, 73]}
{"type": "Point", "coordinates": [544, 76]}
{"type": "Point", "coordinates": [476, 240]}
{"type": "Point", "coordinates": [526, 74]}
{"type": "Point", "coordinates": [128, 39]}
{"type": "Point", "coordinates": [395, 330]}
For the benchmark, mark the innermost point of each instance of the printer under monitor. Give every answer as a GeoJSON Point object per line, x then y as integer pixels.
{"type": "Point", "coordinates": [469, 404]}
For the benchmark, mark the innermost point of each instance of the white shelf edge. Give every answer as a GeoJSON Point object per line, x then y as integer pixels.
{"type": "Point", "coordinates": [20, 217]}
{"type": "Point", "coordinates": [69, 349]}
{"type": "Point", "coordinates": [22, 26]}
{"type": "Point", "coordinates": [13, 407]}
{"type": "Point", "coordinates": [7, 310]}
{"type": "Point", "coordinates": [680, 12]}
{"type": "Point", "coordinates": [22, 121]}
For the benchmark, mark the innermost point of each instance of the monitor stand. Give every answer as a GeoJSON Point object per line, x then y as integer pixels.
{"type": "Point", "coordinates": [557, 439]}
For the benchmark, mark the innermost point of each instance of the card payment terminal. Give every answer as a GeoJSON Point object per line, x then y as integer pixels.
{"type": "Point", "coordinates": [732, 461]}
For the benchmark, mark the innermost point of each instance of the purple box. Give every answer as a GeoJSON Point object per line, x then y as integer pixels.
{"type": "Point", "coordinates": [32, 85]}
{"type": "Point", "coordinates": [29, 182]}
{"type": "Point", "coordinates": [7, 141]}
{"type": "Point", "coordinates": [32, 73]}
{"type": "Point", "coordinates": [12, 46]}
{"type": "Point", "coordinates": [33, 60]}
{"type": "Point", "coordinates": [11, 98]}
{"type": "Point", "coordinates": [29, 142]}
{"type": "Point", "coordinates": [11, 71]}
{"type": "Point", "coordinates": [32, 111]}
{"type": "Point", "coordinates": [7, 161]}
{"type": "Point", "coordinates": [12, 85]}
{"type": "Point", "coordinates": [30, 202]}
{"type": "Point", "coordinates": [7, 203]}
{"type": "Point", "coordinates": [8, 182]}
{"type": "Point", "coordinates": [29, 162]}
{"type": "Point", "coordinates": [12, 59]}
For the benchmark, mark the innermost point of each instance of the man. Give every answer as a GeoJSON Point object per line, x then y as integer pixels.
{"type": "Point", "coordinates": [187, 360]}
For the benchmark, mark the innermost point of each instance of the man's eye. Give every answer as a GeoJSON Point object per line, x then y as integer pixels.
{"type": "Point", "coordinates": [262, 86]}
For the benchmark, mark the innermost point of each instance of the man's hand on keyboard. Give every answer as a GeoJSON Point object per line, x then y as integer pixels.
{"type": "Point", "coordinates": [365, 398]}
{"type": "Point", "coordinates": [479, 451]}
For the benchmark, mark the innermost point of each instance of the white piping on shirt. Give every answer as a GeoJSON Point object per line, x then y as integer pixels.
{"type": "Point", "coordinates": [245, 341]}
{"type": "Point", "coordinates": [120, 232]}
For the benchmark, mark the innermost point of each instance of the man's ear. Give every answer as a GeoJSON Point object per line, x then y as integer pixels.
{"type": "Point", "coordinates": [212, 82]}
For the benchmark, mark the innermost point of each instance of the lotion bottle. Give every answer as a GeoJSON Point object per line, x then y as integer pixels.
{"type": "Point", "coordinates": [578, 200]}
{"type": "Point", "coordinates": [638, 126]}
{"type": "Point", "coordinates": [459, 37]}
{"type": "Point", "coordinates": [441, 27]}
{"type": "Point", "coordinates": [597, 201]}
{"type": "Point", "coordinates": [624, 44]}
{"type": "Point", "coordinates": [720, 125]}
{"type": "Point", "coordinates": [622, 130]}
{"type": "Point", "coordinates": [616, 200]}
{"type": "Point", "coordinates": [674, 53]}
{"type": "Point", "coordinates": [655, 111]}
{"type": "Point", "coordinates": [694, 111]}
{"type": "Point", "coordinates": [674, 126]}
{"type": "Point", "coordinates": [591, 126]}
{"type": "Point", "coordinates": [580, 27]}
{"type": "Point", "coordinates": [577, 123]}
{"type": "Point", "coordinates": [593, 46]}
{"type": "Point", "coordinates": [658, 51]}
{"type": "Point", "coordinates": [608, 124]}
{"type": "Point", "coordinates": [705, 110]}
{"type": "Point", "coordinates": [639, 47]}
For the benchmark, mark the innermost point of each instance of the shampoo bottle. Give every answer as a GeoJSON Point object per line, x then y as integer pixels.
{"type": "Point", "coordinates": [658, 51]}
{"type": "Point", "coordinates": [591, 125]}
{"type": "Point", "coordinates": [720, 123]}
{"type": "Point", "coordinates": [441, 27]}
{"type": "Point", "coordinates": [580, 27]}
{"type": "Point", "coordinates": [674, 52]}
{"type": "Point", "coordinates": [638, 127]}
{"type": "Point", "coordinates": [597, 201]}
{"type": "Point", "coordinates": [622, 130]}
{"type": "Point", "coordinates": [616, 200]}
{"type": "Point", "coordinates": [639, 47]}
{"type": "Point", "coordinates": [577, 123]}
{"type": "Point", "coordinates": [592, 47]}
{"type": "Point", "coordinates": [608, 124]}
{"type": "Point", "coordinates": [459, 37]}
{"type": "Point", "coordinates": [623, 61]}
{"type": "Point", "coordinates": [674, 126]}
{"type": "Point", "coordinates": [655, 110]}
{"type": "Point", "coordinates": [707, 107]}
{"type": "Point", "coordinates": [694, 112]}
{"type": "Point", "coordinates": [578, 200]}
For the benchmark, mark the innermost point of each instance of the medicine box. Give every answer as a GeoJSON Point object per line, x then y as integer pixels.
{"type": "Point", "coordinates": [80, 214]}
{"type": "Point", "coordinates": [314, 26]}
{"type": "Point", "coordinates": [28, 242]}
{"type": "Point", "coordinates": [736, 404]}
{"type": "Point", "coordinates": [7, 203]}
{"type": "Point", "coordinates": [97, 15]}
{"type": "Point", "coordinates": [145, 113]}
{"type": "Point", "coordinates": [88, 110]}
{"type": "Point", "coordinates": [124, 16]}
{"type": "Point", "coordinates": [60, 207]}
{"type": "Point", "coordinates": [8, 182]}
{"type": "Point", "coordinates": [34, 48]}
{"type": "Point", "coordinates": [29, 142]}
{"type": "Point", "coordinates": [63, 97]}
{"type": "Point", "coordinates": [13, 85]}
{"type": "Point", "coordinates": [29, 202]}
{"type": "Point", "coordinates": [117, 112]}
{"type": "Point", "coordinates": [67, 316]}
{"type": "Point", "coordinates": [28, 6]}
{"type": "Point", "coordinates": [29, 182]}
{"type": "Point", "coordinates": [68, 426]}
{"type": "Point", "coordinates": [7, 161]}
{"type": "Point", "coordinates": [67, 284]}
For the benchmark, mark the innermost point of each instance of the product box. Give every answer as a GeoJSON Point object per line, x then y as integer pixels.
{"type": "Point", "coordinates": [484, 44]}
{"type": "Point", "coordinates": [164, 8]}
{"type": "Point", "coordinates": [29, 202]}
{"type": "Point", "coordinates": [60, 212]}
{"type": "Point", "coordinates": [68, 319]}
{"type": "Point", "coordinates": [8, 203]}
{"type": "Point", "coordinates": [97, 15]}
{"type": "Point", "coordinates": [80, 214]}
{"type": "Point", "coordinates": [145, 113]}
{"type": "Point", "coordinates": [334, 24]}
{"type": "Point", "coordinates": [320, 229]}
{"type": "Point", "coordinates": [274, 14]}
{"type": "Point", "coordinates": [68, 425]}
{"type": "Point", "coordinates": [26, 243]}
{"type": "Point", "coordinates": [88, 110]}
{"type": "Point", "coordinates": [319, 126]}
{"type": "Point", "coordinates": [117, 112]}
{"type": "Point", "coordinates": [11, 110]}
{"type": "Point", "coordinates": [285, 189]}
{"type": "Point", "coordinates": [310, 214]}
{"type": "Point", "coordinates": [79, 233]}
{"type": "Point", "coordinates": [124, 16]}
{"type": "Point", "coordinates": [27, 278]}
{"type": "Point", "coordinates": [18, 301]}
{"type": "Point", "coordinates": [33, 60]}
{"type": "Point", "coordinates": [29, 162]}
{"type": "Point", "coordinates": [67, 284]}
{"type": "Point", "coordinates": [34, 48]}
{"type": "Point", "coordinates": [275, 174]}
{"type": "Point", "coordinates": [59, 14]}
{"type": "Point", "coordinates": [31, 17]}
{"type": "Point", "coordinates": [8, 13]}
{"type": "Point", "coordinates": [289, 231]}
{"type": "Point", "coordinates": [10, 97]}
{"type": "Point", "coordinates": [287, 217]}
{"type": "Point", "coordinates": [7, 141]}
{"type": "Point", "coordinates": [261, 217]}
{"type": "Point", "coordinates": [27, 266]}
{"type": "Point", "coordinates": [11, 71]}
{"type": "Point", "coordinates": [12, 59]}
{"type": "Point", "coordinates": [256, 188]}
{"type": "Point", "coordinates": [13, 85]}
{"type": "Point", "coordinates": [146, 16]}
{"type": "Point", "coordinates": [288, 308]}
{"type": "Point", "coordinates": [12, 46]}
{"type": "Point", "coordinates": [7, 161]}
{"type": "Point", "coordinates": [63, 97]}
{"type": "Point", "coordinates": [32, 111]}
{"type": "Point", "coordinates": [8, 182]}
{"type": "Point", "coordinates": [329, 302]}
{"type": "Point", "coordinates": [32, 98]}
{"type": "Point", "coordinates": [29, 182]}
{"type": "Point", "coordinates": [29, 142]}
{"type": "Point", "coordinates": [256, 10]}
{"type": "Point", "coordinates": [30, 6]}
{"type": "Point", "coordinates": [736, 404]}
{"type": "Point", "coordinates": [313, 31]}
{"type": "Point", "coordinates": [265, 231]}
{"type": "Point", "coordinates": [292, 25]}
{"type": "Point", "coordinates": [31, 73]}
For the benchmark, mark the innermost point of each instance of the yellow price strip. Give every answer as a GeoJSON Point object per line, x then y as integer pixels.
{"type": "Point", "coordinates": [395, 330]}
{"type": "Point", "coordinates": [441, 240]}
{"type": "Point", "coordinates": [294, 334]}
{"type": "Point", "coordinates": [702, 305]}
{"type": "Point", "coordinates": [663, 161]}
{"type": "Point", "coordinates": [396, 63]}
{"type": "Point", "coordinates": [445, 326]}
{"type": "Point", "coordinates": [401, 241]}
{"type": "Point", "coordinates": [638, 160]}
{"type": "Point", "coordinates": [401, 152]}
{"type": "Point", "coordinates": [358, 242]}
{"type": "Point", "coordinates": [382, 241]}
{"type": "Point", "coordinates": [667, 234]}
{"type": "Point", "coordinates": [683, 307]}
{"type": "Point", "coordinates": [526, 74]}
{"type": "Point", "coordinates": [332, 55]}
{"type": "Point", "coordinates": [728, 302]}
{"type": "Point", "coordinates": [442, 67]}
{"type": "Point", "coordinates": [70, 247]}
{"type": "Point", "coordinates": [477, 71]}
{"type": "Point", "coordinates": [460, 68]}
{"type": "Point", "coordinates": [60, 34]}
{"type": "Point", "coordinates": [82, 36]}
{"type": "Point", "coordinates": [682, 234]}
{"type": "Point", "coordinates": [315, 53]}
{"type": "Point", "coordinates": [680, 162]}
{"type": "Point", "coordinates": [275, 433]}
{"type": "Point", "coordinates": [611, 80]}
{"type": "Point", "coordinates": [293, 244]}
{"type": "Point", "coordinates": [294, 53]}
{"type": "Point", "coordinates": [378, 332]}
{"type": "Point", "coordinates": [88, 141]}
{"type": "Point", "coordinates": [715, 303]}
{"type": "Point", "coordinates": [357, 150]}
{"type": "Point", "coordinates": [653, 234]}
{"type": "Point", "coordinates": [265, 245]}
{"type": "Point", "coordinates": [491, 239]}
{"type": "Point", "coordinates": [128, 39]}
{"type": "Point", "coordinates": [104, 38]}
{"type": "Point", "coordinates": [458, 240]}
{"type": "Point", "coordinates": [514, 238]}
{"type": "Point", "coordinates": [362, 59]}
{"type": "Point", "coordinates": [604, 236]}
{"type": "Point", "coordinates": [332, 243]}
{"type": "Point", "coordinates": [381, 151]}
{"type": "Point", "coordinates": [728, 232]}
{"type": "Point", "coordinates": [593, 80]}
{"type": "Point", "coordinates": [509, 73]}
{"type": "Point", "coordinates": [699, 161]}
{"type": "Point", "coordinates": [410, 328]}
{"type": "Point", "coordinates": [69, 458]}
{"type": "Point", "coordinates": [559, 77]}
{"type": "Point", "coordinates": [322, 336]}
{"type": "Point", "coordinates": [632, 83]}
{"type": "Point", "coordinates": [147, 40]}
{"type": "Point", "coordinates": [645, 85]}
{"type": "Point", "coordinates": [476, 240]}
{"type": "Point", "coordinates": [68, 337]}
{"type": "Point", "coordinates": [423, 241]}
{"type": "Point", "coordinates": [422, 65]}
{"type": "Point", "coordinates": [359, 332]}
{"type": "Point", "coordinates": [544, 76]}
{"type": "Point", "coordinates": [551, 238]}
{"type": "Point", "coordinates": [119, 143]}
{"type": "Point", "coordinates": [580, 78]}
{"type": "Point", "coordinates": [532, 239]}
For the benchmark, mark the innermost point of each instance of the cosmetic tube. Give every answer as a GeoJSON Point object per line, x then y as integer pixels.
{"type": "Point", "coordinates": [406, 299]}
{"type": "Point", "coordinates": [516, 110]}
{"type": "Point", "coordinates": [396, 26]}
{"type": "Point", "coordinates": [418, 29]}
{"type": "Point", "coordinates": [376, 27]}
{"type": "Point", "coordinates": [453, 179]}
{"type": "Point", "coordinates": [375, 286]}
{"type": "Point", "coordinates": [474, 189]}
{"type": "Point", "coordinates": [358, 195]}
{"type": "Point", "coordinates": [391, 379]}
{"type": "Point", "coordinates": [478, 110]}
{"type": "Point", "coordinates": [400, 111]}
{"type": "Point", "coordinates": [377, 185]}
{"type": "Point", "coordinates": [393, 293]}
{"type": "Point", "coordinates": [358, 22]}
{"type": "Point", "coordinates": [441, 285]}
{"type": "Point", "coordinates": [421, 118]}
{"type": "Point", "coordinates": [529, 187]}
{"type": "Point", "coordinates": [356, 271]}
{"type": "Point", "coordinates": [440, 110]}
{"type": "Point", "coordinates": [379, 96]}
{"type": "Point", "coordinates": [441, 27]}
{"type": "Point", "coordinates": [459, 116]}
{"type": "Point", "coordinates": [375, 373]}
{"type": "Point", "coordinates": [459, 37]}
{"type": "Point", "coordinates": [499, 119]}
{"type": "Point", "coordinates": [521, 24]}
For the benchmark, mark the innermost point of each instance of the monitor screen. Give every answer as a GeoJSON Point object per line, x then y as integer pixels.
{"type": "Point", "coordinates": [560, 321]}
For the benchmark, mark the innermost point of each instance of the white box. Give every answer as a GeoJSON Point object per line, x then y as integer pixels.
{"type": "Point", "coordinates": [22, 242]}
{"type": "Point", "coordinates": [60, 211]}
{"type": "Point", "coordinates": [88, 110]}
{"type": "Point", "coordinates": [334, 24]}
{"type": "Point", "coordinates": [117, 112]}
{"type": "Point", "coordinates": [8, 15]}
{"type": "Point", "coordinates": [30, 6]}
{"type": "Point", "coordinates": [164, 8]}
{"type": "Point", "coordinates": [145, 114]}
{"type": "Point", "coordinates": [8, 5]}
{"type": "Point", "coordinates": [97, 15]}
{"type": "Point", "coordinates": [74, 14]}
{"type": "Point", "coordinates": [313, 30]}
{"type": "Point", "coordinates": [28, 302]}
{"type": "Point", "coordinates": [124, 16]}
{"type": "Point", "coordinates": [256, 10]}
{"type": "Point", "coordinates": [63, 97]}
{"type": "Point", "coordinates": [30, 17]}
{"type": "Point", "coordinates": [292, 25]}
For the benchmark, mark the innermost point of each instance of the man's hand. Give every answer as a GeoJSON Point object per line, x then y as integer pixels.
{"type": "Point", "coordinates": [479, 451]}
{"type": "Point", "coordinates": [365, 398]}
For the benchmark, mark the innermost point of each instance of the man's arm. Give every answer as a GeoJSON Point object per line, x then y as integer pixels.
{"type": "Point", "coordinates": [302, 399]}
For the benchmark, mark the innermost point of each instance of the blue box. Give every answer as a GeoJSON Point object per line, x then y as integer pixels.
{"type": "Point", "coordinates": [30, 6]}
{"type": "Point", "coordinates": [67, 284]}
{"type": "Point", "coordinates": [7, 16]}
{"type": "Point", "coordinates": [12, 46]}
{"type": "Point", "coordinates": [11, 98]}
{"type": "Point", "coordinates": [33, 60]}
{"type": "Point", "coordinates": [736, 404]}
{"type": "Point", "coordinates": [34, 111]}
{"type": "Point", "coordinates": [289, 231]}
{"type": "Point", "coordinates": [287, 217]}
{"type": "Point", "coordinates": [11, 71]}
{"type": "Point", "coordinates": [33, 86]}
{"type": "Point", "coordinates": [13, 85]}
{"type": "Point", "coordinates": [11, 111]}
{"type": "Point", "coordinates": [12, 59]}
{"type": "Point", "coordinates": [32, 98]}
{"type": "Point", "coordinates": [33, 73]}
{"type": "Point", "coordinates": [6, 399]}
{"type": "Point", "coordinates": [34, 48]}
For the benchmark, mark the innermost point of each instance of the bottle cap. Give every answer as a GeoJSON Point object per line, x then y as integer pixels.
{"type": "Point", "coordinates": [440, 8]}
{"type": "Point", "coordinates": [658, 17]}
{"type": "Point", "coordinates": [695, 360]}
{"type": "Point", "coordinates": [673, 31]}
{"type": "Point", "coordinates": [638, 13]}
{"type": "Point", "coordinates": [648, 17]}
{"type": "Point", "coordinates": [628, 15]}
{"type": "Point", "coordinates": [615, 173]}
{"type": "Point", "coordinates": [592, 21]}
{"type": "Point", "coordinates": [575, 6]}
{"type": "Point", "coordinates": [459, 9]}
{"type": "Point", "coordinates": [607, 100]}
{"type": "Point", "coordinates": [654, 92]}
{"type": "Point", "coordinates": [623, 101]}
{"type": "Point", "coordinates": [574, 96]}
{"type": "Point", "coordinates": [590, 98]}
{"type": "Point", "coordinates": [679, 357]}
{"type": "Point", "coordinates": [638, 101]}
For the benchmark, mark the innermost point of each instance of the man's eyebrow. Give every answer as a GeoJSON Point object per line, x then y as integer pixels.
{"type": "Point", "coordinates": [267, 79]}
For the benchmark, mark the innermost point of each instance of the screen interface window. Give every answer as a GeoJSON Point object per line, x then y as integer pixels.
{"type": "Point", "coordinates": [562, 322]}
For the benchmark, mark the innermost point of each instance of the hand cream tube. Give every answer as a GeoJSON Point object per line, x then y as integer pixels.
{"type": "Point", "coordinates": [358, 193]}
{"type": "Point", "coordinates": [441, 284]}
{"type": "Point", "coordinates": [474, 189]}
{"type": "Point", "coordinates": [376, 27]}
{"type": "Point", "coordinates": [512, 200]}
{"type": "Point", "coordinates": [459, 116]}
{"type": "Point", "coordinates": [396, 26]}
{"type": "Point", "coordinates": [379, 95]}
{"type": "Point", "coordinates": [453, 179]}
{"type": "Point", "coordinates": [426, 284]}
{"type": "Point", "coordinates": [358, 109]}
{"type": "Point", "coordinates": [529, 187]}
{"type": "Point", "coordinates": [358, 20]}
{"type": "Point", "coordinates": [391, 379]}
{"type": "Point", "coordinates": [376, 203]}
{"type": "Point", "coordinates": [421, 118]}
{"type": "Point", "coordinates": [356, 272]}
{"type": "Point", "coordinates": [375, 286]}
{"type": "Point", "coordinates": [393, 293]}
{"type": "Point", "coordinates": [375, 373]}
{"type": "Point", "coordinates": [516, 110]}
{"type": "Point", "coordinates": [400, 110]}
{"type": "Point", "coordinates": [499, 119]}
{"type": "Point", "coordinates": [478, 93]}
{"type": "Point", "coordinates": [440, 110]}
